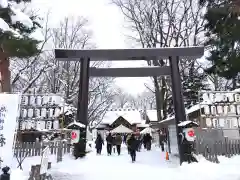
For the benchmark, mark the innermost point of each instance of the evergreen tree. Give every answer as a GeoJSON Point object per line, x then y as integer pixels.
{"type": "Point", "coordinates": [193, 81]}
{"type": "Point", "coordinates": [15, 40]}
{"type": "Point", "coordinates": [223, 37]}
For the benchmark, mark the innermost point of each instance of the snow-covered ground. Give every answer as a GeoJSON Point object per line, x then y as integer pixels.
{"type": "Point", "coordinates": [149, 165]}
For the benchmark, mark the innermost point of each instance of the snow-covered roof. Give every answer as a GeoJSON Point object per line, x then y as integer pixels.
{"type": "Point", "coordinates": [184, 123]}
{"type": "Point", "coordinates": [133, 116]}
{"type": "Point", "coordinates": [152, 115]}
{"type": "Point", "coordinates": [147, 130]}
{"type": "Point", "coordinates": [77, 124]}
{"type": "Point", "coordinates": [188, 111]}
{"type": "Point", "coordinates": [143, 124]}
{"type": "Point", "coordinates": [121, 129]}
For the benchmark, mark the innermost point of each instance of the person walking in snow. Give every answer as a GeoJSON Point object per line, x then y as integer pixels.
{"type": "Point", "coordinates": [148, 141]}
{"type": "Point", "coordinates": [118, 143]}
{"type": "Point", "coordinates": [133, 145]}
{"type": "Point", "coordinates": [109, 140]}
{"type": "Point", "coordinates": [128, 137]}
{"type": "Point", "coordinates": [99, 142]}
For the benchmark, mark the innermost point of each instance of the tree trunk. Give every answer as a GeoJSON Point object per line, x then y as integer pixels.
{"type": "Point", "coordinates": [5, 73]}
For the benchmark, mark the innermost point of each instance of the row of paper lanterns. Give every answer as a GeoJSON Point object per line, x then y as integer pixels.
{"type": "Point", "coordinates": [41, 100]}
{"type": "Point", "coordinates": [222, 122]}
{"type": "Point", "coordinates": [40, 112]}
{"type": "Point", "coordinates": [221, 97]}
{"type": "Point", "coordinates": [224, 109]}
{"type": "Point", "coordinates": [39, 125]}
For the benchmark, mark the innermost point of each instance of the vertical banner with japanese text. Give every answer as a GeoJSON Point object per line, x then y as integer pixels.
{"type": "Point", "coordinates": [9, 112]}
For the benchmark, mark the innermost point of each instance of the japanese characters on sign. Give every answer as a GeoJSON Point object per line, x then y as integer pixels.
{"type": "Point", "coordinates": [3, 111]}
{"type": "Point", "coordinates": [9, 111]}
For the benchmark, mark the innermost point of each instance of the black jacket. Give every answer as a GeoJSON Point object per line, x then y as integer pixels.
{"type": "Point", "coordinates": [109, 139]}
{"type": "Point", "coordinates": [132, 143]}
{"type": "Point", "coordinates": [99, 142]}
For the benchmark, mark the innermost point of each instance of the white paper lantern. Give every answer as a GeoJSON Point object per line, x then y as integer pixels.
{"type": "Point", "coordinates": [205, 98]}
{"type": "Point", "coordinates": [208, 122]}
{"type": "Point", "coordinates": [44, 112]}
{"type": "Point", "coordinates": [49, 125]}
{"type": "Point", "coordinates": [30, 113]}
{"type": "Point", "coordinates": [231, 97]}
{"type": "Point", "coordinates": [220, 109]}
{"type": "Point", "coordinates": [212, 97]}
{"type": "Point", "coordinates": [37, 113]}
{"type": "Point", "coordinates": [232, 109]}
{"type": "Point", "coordinates": [50, 112]}
{"type": "Point", "coordinates": [57, 112]}
{"type": "Point", "coordinates": [206, 110]}
{"type": "Point", "coordinates": [22, 125]}
{"type": "Point", "coordinates": [237, 98]}
{"type": "Point", "coordinates": [226, 109]}
{"type": "Point", "coordinates": [238, 109]}
{"type": "Point", "coordinates": [38, 125]}
{"type": "Point", "coordinates": [225, 97]}
{"type": "Point", "coordinates": [32, 100]}
{"type": "Point", "coordinates": [28, 124]}
{"type": "Point", "coordinates": [24, 114]}
{"type": "Point", "coordinates": [42, 124]}
{"type": "Point", "coordinates": [213, 110]}
{"type": "Point", "coordinates": [56, 124]}
{"type": "Point", "coordinates": [25, 100]}
{"type": "Point", "coordinates": [39, 100]}
{"type": "Point", "coordinates": [45, 100]}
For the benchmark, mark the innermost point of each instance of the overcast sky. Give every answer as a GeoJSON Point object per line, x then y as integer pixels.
{"type": "Point", "coordinates": [106, 22]}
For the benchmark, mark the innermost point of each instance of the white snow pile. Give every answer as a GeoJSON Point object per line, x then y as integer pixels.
{"type": "Point", "coordinates": [17, 16]}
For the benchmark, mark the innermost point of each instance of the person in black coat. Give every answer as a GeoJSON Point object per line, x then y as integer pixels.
{"type": "Point", "coordinates": [5, 175]}
{"type": "Point", "coordinates": [148, 141]}
{"type": "Point", "coordinates": [110, 143]}
{"type": "Point", "coordinates": [187, 149]}
{"type": "Point", "coordinates": [99, 142]}
{"type": "Point", "coordinates": [133, 146]}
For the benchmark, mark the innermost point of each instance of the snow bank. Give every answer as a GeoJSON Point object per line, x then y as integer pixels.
{"type": "Point", "coordinates": [228, 168]}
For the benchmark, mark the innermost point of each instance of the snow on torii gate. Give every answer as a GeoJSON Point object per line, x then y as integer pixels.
{"type": "Point", "coordinates": [173, 54]}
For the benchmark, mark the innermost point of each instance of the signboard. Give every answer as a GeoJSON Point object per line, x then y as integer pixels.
{"type": "Point", "coordinates": [75, 135]}
{"type": "Point", "coordinates": [173, 139]}
{"type": "Point", "coordinates": [9, 111]}
{"type": "Point", "coordinates": [44, 160]}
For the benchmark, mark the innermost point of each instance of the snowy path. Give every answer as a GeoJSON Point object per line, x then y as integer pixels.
{"type": "Point", "coordinates": [113, 167]}
{"type": "Point", "coordinates": [149, 166]}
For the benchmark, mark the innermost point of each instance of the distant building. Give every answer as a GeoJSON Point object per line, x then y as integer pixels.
{"type": "Point", "coordinates": [129, 118]}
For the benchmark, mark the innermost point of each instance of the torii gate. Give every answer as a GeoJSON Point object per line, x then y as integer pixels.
{"type": "Point", "coordinates": [173, 54]}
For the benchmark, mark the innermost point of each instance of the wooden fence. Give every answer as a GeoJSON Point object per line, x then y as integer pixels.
{"type": "Point", "coordinates": [211, 144]}
{"type": "Point", "coordinates": [29, 149]}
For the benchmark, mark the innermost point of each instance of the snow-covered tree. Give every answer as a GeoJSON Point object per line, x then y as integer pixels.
{"type": "Point", "coordinates": [63, 77]}
{"type": "Point", "coordinates": [27, 74]}
{"type": "Point", "coordinates": [15, 37]}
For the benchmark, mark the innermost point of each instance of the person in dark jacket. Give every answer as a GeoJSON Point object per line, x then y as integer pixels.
{"type": "Point", "coordinates": [110, 142]}
{"type": "Point", "coordinates": [99, 142]}
{"type": "Point", "coordinates": [118, 143]}
{"type": "Point", "coordinates": [148, 141]}
{"type": "Point", "coordinates": [5, 175]}
{"type": "Point", "coordinates": [162, 140]}
{"type": "Point", "coordinates": [187, 149]}
{"type": "Point", "coordinates": [132, 145]}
